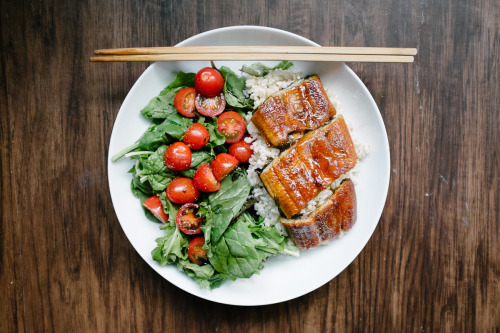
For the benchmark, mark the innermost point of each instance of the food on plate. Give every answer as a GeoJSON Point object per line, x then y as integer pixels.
{"type": "Point", "coordinates": [186, 219]}
{"type": "Point", "coordinates": [184, 102]}
{"type": "Point", "coordinates": [196, 253]}
{"type": "Point", "coordinates": [285, 116]}
{"type": "Point", "coordinates": [310, 166]}
{"type": "Point", "coordinates": [154, 205]}
{"type": "Point", "coordinates": [205, 180]}
{"type": "Point", "coordinates": [196, 136]}
{"type": "Point", "coordinates": [210, 106]}
{"type": "Point", "coordinates": [207, 172]}
{"type": "Point", "coordinates": [209, 82]}
{"type": "Point", "coordinates": [223, 165]}
{"type": "Point", "coordinates": [329, 220]}
{"type": "Point", "coordinates": [178, 156]}
{"type": "Point", "coordinates": [182, 190]}
{"type": "Point", "coordinates": [232, 125]}
{"type": "Point", "coordinates": [242, 150]}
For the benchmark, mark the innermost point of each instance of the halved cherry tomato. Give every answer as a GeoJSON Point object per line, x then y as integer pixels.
{"type": "Point", "coordinates": [178, 156]}
{"type": "Point", "coordinates": [223, 165]}
{"type": "Point", "coordinates": [181, 190]}
{"type": "Point", "coordinates": [241, 150]}
{"type": "Point", "coordinates": [232, 126]}
{"type": "Point", "coordinates": [210, 106]}
{"type": "Point", "coordinates": [204, 180]}
{"type": "Point", "coordinates": [154, 205]}
{"type": "Point", "coordinates": [196, 253]}
{"type": "Point", "coordinates": [208, 82]}
{"type": "Point", "coordinates": [184, 102]}
{"type": "Point", "coordinates": [186, 219]}
{"type": "Point", "coordinates": [196, 136]}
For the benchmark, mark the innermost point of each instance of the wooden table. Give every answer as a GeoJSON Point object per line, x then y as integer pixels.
{"type": "Point", "coordinates": [433, 263]}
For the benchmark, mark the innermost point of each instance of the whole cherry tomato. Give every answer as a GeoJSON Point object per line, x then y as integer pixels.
{"type": "Point", "coordinates": [196, 136]}
{"type": "Point", "coordinates": [241, 150]}
{"type": "Point", "coordinates": [181, 190]}
{"type": "Point", "coordinates": [208, 82]}
{"type": "Point", "coordinates": [178, 156]}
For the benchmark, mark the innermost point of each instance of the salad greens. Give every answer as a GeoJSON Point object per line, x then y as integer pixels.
{"type": "Point", "coordinates": [162, 106]}
{"type": "Point", "coordinates": [259, 69]}
{"type": "Point", "coordinates": [236, 243]}
{"type": "Point", "coordinates": [227, 202]}
{"type": "Point", "coordinates": [241, 250]}
{"type": "Point", "coordinates": [234, 87]}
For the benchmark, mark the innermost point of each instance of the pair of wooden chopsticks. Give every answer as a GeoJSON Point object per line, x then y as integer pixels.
{"type": "Point", "coordinates": [291, 53]}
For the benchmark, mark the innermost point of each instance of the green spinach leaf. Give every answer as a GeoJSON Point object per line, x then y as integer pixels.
{"type": "Point", "coordinates": [162, 106]}
{"type": "Point", "coordinates": [171, 129]}
{"type": "Point", "coordinates": [226, 202]}
{"type": "Point", "coordinates": [235, 252]}
{"type": "Point", "coordinates": [245, 245]}
{"type": "Point", "coordinates": [216, 138]}
{"type": "Point", "coordinates": [153, 170]}
{"type": "Point", "coordinates": [234, 89]}
{"type": "Point", "coordinates": [198, 157]}
{"type": "Point", "coordinates": [259, 69]}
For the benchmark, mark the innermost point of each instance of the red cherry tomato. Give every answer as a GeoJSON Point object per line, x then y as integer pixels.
{"type": "Point", "coordinates": [184, 102]}
{"type": "Point", "coordinates": [186, 219]}
{"type": "Point", "coordinates": [196, 136]}
{"type": "Point", "coordinates": [232, 126]}
{"type": "Point", "coordinates": [178, 156]}
{"type": "Point", "coordinates": [204, 180]}
{"type": "Point", "coordinates": [210, 106]}
{"type": "Point", "coordinates": [182, 190]}
{"type": "Point", "coordinates": [196, 253]}
{"type": "Point", "coordinates": [241, 150]}
{"type": "Point", "coordinates": [208, 82]}
{"type": "Point", "coordinates": [223, 165]}
{"type": "Point", "coordinates": [154, 205]}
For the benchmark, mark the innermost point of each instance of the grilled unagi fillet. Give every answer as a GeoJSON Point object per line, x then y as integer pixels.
{"type": "Point", "coordinates": [292, 111]}
{"type": "Point", "coordinates": [310, 166]}
{"type": "Point", "coordinates": [337, 214]}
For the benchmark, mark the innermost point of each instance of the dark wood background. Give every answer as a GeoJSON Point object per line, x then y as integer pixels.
{"type": "Point", "coordinates": [433, 263]}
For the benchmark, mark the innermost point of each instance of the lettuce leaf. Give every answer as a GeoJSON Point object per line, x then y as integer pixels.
{"type": "Point", "coordinates": [171, 246]}
{"type": "Point", "coordinates": [206, 276]}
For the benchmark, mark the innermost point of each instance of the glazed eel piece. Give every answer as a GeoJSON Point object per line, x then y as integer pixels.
{"type": "Point", "coordinates": [310, 166]}
{"type": "Point", "coordinates": [285, 116]}
{"type": "Point", "coordinates": [334, 216]}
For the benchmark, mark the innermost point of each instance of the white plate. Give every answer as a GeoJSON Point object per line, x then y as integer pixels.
{"type": "Point", "coordinates": [283, 277]}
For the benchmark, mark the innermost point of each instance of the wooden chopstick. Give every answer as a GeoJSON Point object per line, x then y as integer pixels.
{"type": "Point", "coordinates": [291, 53]}
{"type": "Point", "coordinates": [260, 49]}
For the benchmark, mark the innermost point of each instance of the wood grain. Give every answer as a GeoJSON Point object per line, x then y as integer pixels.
{"type": "Point", "coordinates": [433, 263]}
